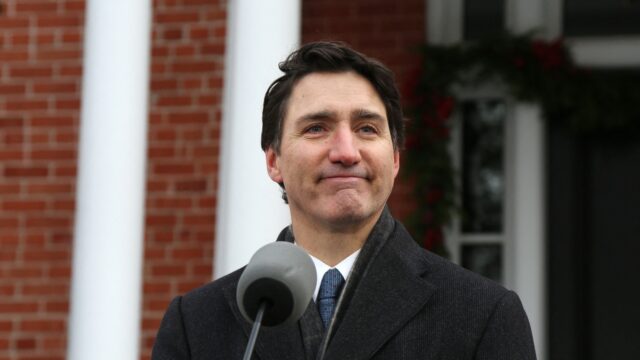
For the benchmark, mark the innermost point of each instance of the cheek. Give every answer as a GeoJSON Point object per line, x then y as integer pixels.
{"type": "Point", "coordinates": [298, 159]}
{"type": "Point", "coordinates": [383, 163]}
{"type": "Point", "coordinates": [291, 170]}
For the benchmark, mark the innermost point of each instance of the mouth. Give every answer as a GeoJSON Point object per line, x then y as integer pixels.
{"type": "Point", "coordinates": [344, 176]}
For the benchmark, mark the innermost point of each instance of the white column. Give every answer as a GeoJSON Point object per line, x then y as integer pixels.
{"type": "Point", "coordinates": [528, 247]}
{"type": "Point", "coordinates": [444, 21]}
{"type": "Point", "coordinates": [527, 250]}
{"type": "Point", "coordinates": [107, 258]}
{"type": "Point", "coordinates": [526, 15]}
{"type": "Point", "coordinates": [250, 212]}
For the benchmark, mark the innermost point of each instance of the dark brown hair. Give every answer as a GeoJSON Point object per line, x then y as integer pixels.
{"type": "Point", "coordinates": [328, 57]}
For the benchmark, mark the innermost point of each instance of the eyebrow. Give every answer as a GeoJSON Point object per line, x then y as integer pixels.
{"type": "Point", "coordinates": [355, 114]}
{"type": "Point", "coordinates": [366, 114]}
{"type": "Point", "coordinates": [318, 115]}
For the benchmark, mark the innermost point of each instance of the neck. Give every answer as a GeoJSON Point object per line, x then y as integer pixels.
{"type": "Point", "coordinates": [331, 244]}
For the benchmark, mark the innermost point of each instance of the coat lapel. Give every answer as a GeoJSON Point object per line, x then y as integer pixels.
{"type": "Point", "coordinates": [312, 331]}
{"type": "Point", "coordinates": [389, 290]}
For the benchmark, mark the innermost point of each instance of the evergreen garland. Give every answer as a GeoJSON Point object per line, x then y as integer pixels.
{"type": "Point", "coordinates": [529, 70]}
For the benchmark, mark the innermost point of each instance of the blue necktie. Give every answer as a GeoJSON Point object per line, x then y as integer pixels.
{"type": "Point", "coordinates": [330, 287]}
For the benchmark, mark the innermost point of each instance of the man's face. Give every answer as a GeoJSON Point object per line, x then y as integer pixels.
{"type": "Point", "coordinates": [337, 159]}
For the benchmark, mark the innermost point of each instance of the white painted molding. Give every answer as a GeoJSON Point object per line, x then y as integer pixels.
{"type": "Point", "coordinates": [523, 16]}
{"type": "Point", "coordinates": [444, 21]}
{"type": "Point", "coordinates": [553, 18]}
{"type": "Point", "coordinates": [527, 249]}
{"type": "Point", "coordinates": [607, 52]}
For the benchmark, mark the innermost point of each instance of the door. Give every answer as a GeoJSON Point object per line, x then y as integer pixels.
{"type": "Point", "coordinates": [594, 245]}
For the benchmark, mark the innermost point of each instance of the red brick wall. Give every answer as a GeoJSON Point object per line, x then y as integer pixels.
{"type": "Point", "coordinates": [40, 67]}
{"type": "Point", "coordinates": [40, 80]}
{"type": "Point", "coordinates": [390, 31]}
{"type": "Point", "coordinates": [186, 93]}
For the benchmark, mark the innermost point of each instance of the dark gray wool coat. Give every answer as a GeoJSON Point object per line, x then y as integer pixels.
{"type": "Point", "coordinates": [400, 302]}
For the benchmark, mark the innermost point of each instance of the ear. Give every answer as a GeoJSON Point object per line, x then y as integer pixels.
{"type": "Point", "coordinates": [396, 163]}
{"type": "Point", "coordinates": [273, 166]}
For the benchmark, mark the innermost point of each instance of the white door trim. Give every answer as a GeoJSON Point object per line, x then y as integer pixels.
{"type": "Point", "coordinates": [525, 260]}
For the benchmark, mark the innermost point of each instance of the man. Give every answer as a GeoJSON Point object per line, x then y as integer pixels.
{"type": "Point", "coordinates": [332, 131]}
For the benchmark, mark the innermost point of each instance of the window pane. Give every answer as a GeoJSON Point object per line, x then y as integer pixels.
{"type": "Point", "coordinates": [601, 17]}
{"type": "Point", "coordinates": [483, 18]}
{"type": "Point", "coordinates": [485, 259]}
{"type": "Point", "coordinates": [482, 166]}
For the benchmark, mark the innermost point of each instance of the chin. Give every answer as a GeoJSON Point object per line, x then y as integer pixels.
{"type": "Point", "coordinates": [347, 216]}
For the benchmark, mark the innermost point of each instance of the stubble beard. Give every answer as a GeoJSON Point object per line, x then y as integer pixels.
{"type": "Point", "coordinates": [347, 212]}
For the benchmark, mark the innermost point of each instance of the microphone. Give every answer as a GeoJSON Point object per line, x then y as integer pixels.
{"type": "Point", "coordinates": [276, 287]}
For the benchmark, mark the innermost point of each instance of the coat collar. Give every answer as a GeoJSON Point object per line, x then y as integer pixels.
{"type": "Point", "coordinates": [385, 290]}
{"type": "Point", "coordinates": [291, 342]}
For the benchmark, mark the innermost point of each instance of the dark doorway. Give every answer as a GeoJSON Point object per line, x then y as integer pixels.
{"type": "Point", "coordinates": [593, 245]}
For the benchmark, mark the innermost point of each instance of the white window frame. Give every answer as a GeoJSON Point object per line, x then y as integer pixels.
{"type": "Point", "coordinates": [455, 238]}
{"type": "Point", "coordinates": [524, 254]}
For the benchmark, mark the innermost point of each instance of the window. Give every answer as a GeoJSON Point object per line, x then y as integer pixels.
{"type": "Point", "coordinates": [480, 232]}
{"type": "Point", "coordinates": [482, 166]}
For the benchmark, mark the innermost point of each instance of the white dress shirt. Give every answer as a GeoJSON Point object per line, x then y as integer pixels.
{"type": "Point", "coordinates": [344, 267]}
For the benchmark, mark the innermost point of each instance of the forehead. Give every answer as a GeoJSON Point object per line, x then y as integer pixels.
{"type": "Point", "coordinates": [333, 91]}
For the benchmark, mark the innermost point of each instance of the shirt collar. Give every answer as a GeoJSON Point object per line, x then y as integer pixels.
{"type": "Point", "coordinates": [343, 266]}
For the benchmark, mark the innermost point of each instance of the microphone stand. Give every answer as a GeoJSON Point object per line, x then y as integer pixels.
{"type": "Point", "coordinates": [254, 331]}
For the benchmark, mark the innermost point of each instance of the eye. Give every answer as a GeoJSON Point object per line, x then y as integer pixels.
{"type": "Point", "coordinates": [314, 129]}
{"type": "Point", "coordinates": [368, 129]}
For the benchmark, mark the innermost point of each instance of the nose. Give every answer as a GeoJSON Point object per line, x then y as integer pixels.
{"type": "Point", "coordinates": [344, 147]}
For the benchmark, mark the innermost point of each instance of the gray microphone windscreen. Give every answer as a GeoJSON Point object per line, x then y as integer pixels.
{"type": "Point", "coordinates": [282, 275]}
